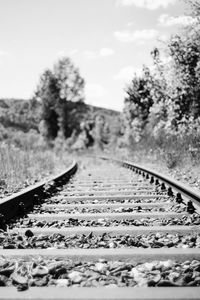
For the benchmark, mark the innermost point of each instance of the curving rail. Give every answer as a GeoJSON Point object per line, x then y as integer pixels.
{"type": "Point", "coordinates": [182, 191]}
{"type": "Point", "coordinates": [19, 202]}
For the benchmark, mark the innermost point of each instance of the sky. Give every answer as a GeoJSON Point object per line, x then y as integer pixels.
{"type": "Point", "coordinates": [108, 40]}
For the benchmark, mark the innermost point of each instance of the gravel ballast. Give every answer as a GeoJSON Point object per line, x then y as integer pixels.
{"type": "Point", "coordinates": [169, 208]}
{"type": "Point", "coordinates": [62, 200]}
{"type": "Point", "coordinates": [190, 220]}
{"type": "Point", "coordinates": [91, 241]}
{"type": "Point", "coordinates": [50, 272]}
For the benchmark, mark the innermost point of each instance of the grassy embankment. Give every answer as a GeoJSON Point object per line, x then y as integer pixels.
{"type": "Point", "coordinates": [23, 167]}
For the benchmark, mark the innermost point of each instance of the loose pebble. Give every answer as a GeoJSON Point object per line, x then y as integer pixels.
{"type": "Point", "coordinates": [66, 272]}
{"type": "Point", "coordinates": [106, 240]}
{"type": "Point", "coordinates": [190, 220]}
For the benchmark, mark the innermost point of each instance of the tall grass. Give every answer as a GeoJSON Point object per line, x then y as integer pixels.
{"type": "Point", "coordinates": [22, 167]}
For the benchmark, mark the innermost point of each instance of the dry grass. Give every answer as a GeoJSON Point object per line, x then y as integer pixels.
{"type": "Point", "coordinates": [20, 168]}
{"type": "Point", "coordinates": [180, 165]}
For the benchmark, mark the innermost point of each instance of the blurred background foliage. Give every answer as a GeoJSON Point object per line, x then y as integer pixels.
{"type": "Point", "coordinates": [161, 114]}
{"type": "Point", "coordinates": [162, 106]}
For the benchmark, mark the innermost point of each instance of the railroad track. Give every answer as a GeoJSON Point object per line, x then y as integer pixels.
{"type": "Point", "coordinates": [113, 231]}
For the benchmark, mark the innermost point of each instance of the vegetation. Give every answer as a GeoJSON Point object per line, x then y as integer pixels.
{"type": "Point", "coordinates": [161, 114]}
{"type": "Point", "coordinates": [162, 107]}
{"type": "Point", "coordinates": [18, 114]}
{"type": "Point", "coordinates": [55, 91]}
{"type": "Point", "coordinates": [35, 134]}
{"type": "Point", "coordinates": [22, 167]}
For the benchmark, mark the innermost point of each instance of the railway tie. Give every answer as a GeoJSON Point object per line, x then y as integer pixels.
{"type": "Point", "coordinates": [103, 229]}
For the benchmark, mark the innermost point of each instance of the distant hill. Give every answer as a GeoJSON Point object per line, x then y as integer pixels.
{"type": "Point", "coordinates": [24, 115]}
{"type": "Point", "coordinates": [20, 114]}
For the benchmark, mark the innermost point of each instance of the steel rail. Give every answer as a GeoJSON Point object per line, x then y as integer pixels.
{"type": "Point", "coordinates": [130, 254]}
{"type": "Point", "coordinates": [17, 202]}
{"type": "Point", "coordinates": [184, 189]}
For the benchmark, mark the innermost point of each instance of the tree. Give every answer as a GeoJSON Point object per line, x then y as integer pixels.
{"type": "Point", "coordinates": [184, 88]}
{"type": "Point", "coordinates": [139, 97]}
{"type": "Point", "coordinates": [56, 89]}
{"type": "Point", "coordinates": [48, 93]}
{"type": "Point", "coordinates": [164, 104]}
{"type": "Point", "coordinates": [69, 81]}
{"type": "Point", "coordinates": [194, 6]}
{"type": "Point", "coordinates": [137, 104]}
{"type": "Point", "coordinates": [100, 131]}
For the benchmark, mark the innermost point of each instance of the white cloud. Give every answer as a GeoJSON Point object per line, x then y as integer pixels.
{"type": "Point", "coordinates": [96, 94]}
{"type": "Point", "coordinates": [103, 52]}
{"type": "Point", "coordinates": [167, 21]}
{"type": "Point", "coordinates": [148, 4]}
{"type": "Point", "coordinates": [128, 36]}
{"type": "Point", "coordinates": [94, 90]}
{"type": "Point", "coordinates": [106, 52]}
{"type": "Point", "coordinates": [127, 73]}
